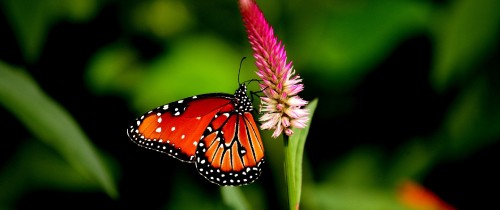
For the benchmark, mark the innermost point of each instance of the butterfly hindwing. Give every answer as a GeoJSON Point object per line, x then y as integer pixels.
{"type": "Point", "coordinates": [231, 151]}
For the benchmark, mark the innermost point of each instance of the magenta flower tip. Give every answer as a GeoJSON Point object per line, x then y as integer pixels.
{"type": "Point", "coordinates": [281, 106]}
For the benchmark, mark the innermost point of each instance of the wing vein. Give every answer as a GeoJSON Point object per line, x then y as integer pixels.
{"type": "Point", "coordinates": [248, 124]}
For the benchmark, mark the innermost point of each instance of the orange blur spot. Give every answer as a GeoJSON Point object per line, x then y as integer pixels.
{"type": "Point", "coordinates": [417, 197]}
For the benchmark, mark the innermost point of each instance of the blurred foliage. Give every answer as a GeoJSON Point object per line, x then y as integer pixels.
{"type": "Point", "coordinates": [464, 33]}
{"type": "Point", "coordinates": [31, 20]}
{"type": "Point", "coordinates": [54, 127]}
{"type": "Point", "coordinates": [234, 198]}
{"type": "Point", "coordinates": [164, 50]}
{"type": "Point", "coordinates": [355, 35]}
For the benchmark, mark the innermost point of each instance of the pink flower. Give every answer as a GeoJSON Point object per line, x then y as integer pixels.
{"type": "Point", "coordinates": [282, 107]}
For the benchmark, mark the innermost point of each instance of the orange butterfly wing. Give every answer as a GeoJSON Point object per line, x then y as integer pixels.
{"type": "Point", "coordinates": [231, 150]}
{"type": "Point", "coordinates": [176, 128]}
{"type": "Point", "coordinates": [216, 131]}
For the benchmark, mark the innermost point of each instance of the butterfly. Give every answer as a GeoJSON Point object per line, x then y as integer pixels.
{"type": "Point", "coordinates": [216, 131]}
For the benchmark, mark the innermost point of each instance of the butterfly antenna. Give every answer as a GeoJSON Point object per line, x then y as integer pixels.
{"type": "Point", "coordinates": [239, 70]}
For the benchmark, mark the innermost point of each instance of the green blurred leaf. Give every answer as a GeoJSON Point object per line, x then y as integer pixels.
{"type": "Point", "coordinates": [35, 166]}
{"type": "Point", "coordinates": [113, 69]}
{"type": "Point", "coordinates": [414, 159]}
{"type": "Point", "coordinates": [352, 198]}
{"type": "Point", "coordinates": [187, 194]}
{"type": "Point", "coordinates": [361, 168]}
{"type": "Point", "coordinates": [467, 31]}
{"type": "Point", "coordinates": [233, 197]}
{"type": "Point", "coordinates": [474, 120]}
{"type": "Point", "coordinates": [294, 152]}
{"type": "Point", "coordinates": [195, 65]}
{"type": "Point", "coordinates": [50, 123]}
{"type": "Point", "coordinates": [358, 181]}
{"type": "Point", "coordinates": [342, 40]}
{"type": "Point", "coordinates": [31, 20]}
{"type": "Point", "coordinates": [78, 10]}
{"type": "Point", "coordinates": [162, 18]}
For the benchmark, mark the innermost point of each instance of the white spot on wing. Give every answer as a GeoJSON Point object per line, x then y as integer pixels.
{"type": "Point", "coordinates": [159, 119]}
{"type": "Point", "coordinates": [173, 128]}
{"type": "Point", "coordinates": [158, 129]}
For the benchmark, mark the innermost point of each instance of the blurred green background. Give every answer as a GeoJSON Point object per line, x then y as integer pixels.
{"type": "Point", "coordinates": [407, 89]}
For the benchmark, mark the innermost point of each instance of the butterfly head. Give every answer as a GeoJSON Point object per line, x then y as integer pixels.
{"type": "Point", "coordinates": [242, 103]}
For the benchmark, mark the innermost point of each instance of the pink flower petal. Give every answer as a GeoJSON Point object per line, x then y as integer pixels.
{"type": "Point", "coordinates": [282, 107]}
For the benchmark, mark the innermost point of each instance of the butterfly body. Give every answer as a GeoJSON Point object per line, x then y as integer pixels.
{"type": "Point", "coordinates": [215, 131]}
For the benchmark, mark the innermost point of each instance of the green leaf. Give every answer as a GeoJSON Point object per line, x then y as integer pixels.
{"type": "Point", "coordinates": [473, 121]}
{"type": "Point", "coordinates": [233, 197]}
{"type": "Point", "coordinates": [78, 10]}
{"type": "Point", "coordinates": [161, 18]}
{"type": "Point", "coordinates": [352, 198]}
{"type": "Point", "coordinates": [414, 159]}
{"type": "Point", "coordinates": [185, 193]}
{"type": "Point", "coordinates": [469, 29]}
{"type": "Point", "coordinates": [361, 168]}
{"type": "Point", "coordinates": [343, 40]}
{"type": "Point", "coordinates": [31, 20]}
{"type": "Point", "coordinates": [113, 69]}
{"type": "Point", "coordinates": [294, 150]}
{"type": "Point", "coordinates": [50, 123]}
{"type": "Point", "coordinates": [36, 166]}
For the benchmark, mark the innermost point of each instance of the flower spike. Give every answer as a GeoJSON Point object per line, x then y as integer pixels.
{"type": "Point", "coordinates": [281, 106]}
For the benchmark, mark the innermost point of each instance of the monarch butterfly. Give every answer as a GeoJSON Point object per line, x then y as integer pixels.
{"type": "Point", "coordinates": [216, 131]}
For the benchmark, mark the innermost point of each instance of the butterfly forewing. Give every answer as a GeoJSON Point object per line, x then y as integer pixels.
{"type": "Point", "coordinates": [177, 127]}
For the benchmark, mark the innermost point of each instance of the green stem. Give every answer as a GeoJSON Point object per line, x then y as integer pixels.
{"type": "Point", "coordinates": [290, 175]}
{"type": "Point", "coordinates": [294, 150]}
